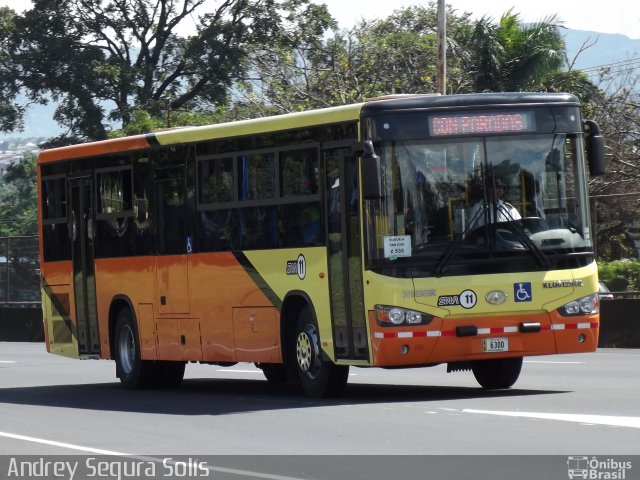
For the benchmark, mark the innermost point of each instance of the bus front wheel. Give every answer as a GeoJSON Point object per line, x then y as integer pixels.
{"type": "Point", "coordinates": [498, 373]}
{"type": "Point", "coordinates": [318, 375]}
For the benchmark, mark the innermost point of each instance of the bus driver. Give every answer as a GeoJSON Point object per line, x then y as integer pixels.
{"type": "Point", "coordinates": [495, 206]}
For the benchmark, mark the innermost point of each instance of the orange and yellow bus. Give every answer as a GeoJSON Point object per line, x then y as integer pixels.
{"type": "Point", "coordinates": [402, 231]}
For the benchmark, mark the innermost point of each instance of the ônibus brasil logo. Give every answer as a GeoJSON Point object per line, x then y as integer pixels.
{"type": "Point", "coordinates": [594, 468]}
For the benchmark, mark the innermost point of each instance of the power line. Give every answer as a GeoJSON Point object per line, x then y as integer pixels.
{"type": "Point", "coordinates": [614, 65]}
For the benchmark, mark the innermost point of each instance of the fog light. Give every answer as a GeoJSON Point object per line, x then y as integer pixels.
{"type": "Point", "coordinates": [404, 349]}
{"type": "Point", "coordinates": [581, 338]}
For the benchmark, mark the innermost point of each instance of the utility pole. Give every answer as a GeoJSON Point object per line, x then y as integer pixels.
{"type": "Point", "coordinates": [442, 48]}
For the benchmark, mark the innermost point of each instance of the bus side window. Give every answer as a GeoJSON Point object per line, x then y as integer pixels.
{"type": "Point", "coordinates": [171, 212]}
{"type": "Point", "coordinates": [114, 222]}
{"type": "Point", "coordinates": [142, 213]}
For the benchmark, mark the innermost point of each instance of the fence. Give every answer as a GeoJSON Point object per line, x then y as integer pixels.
{"type": "Point", "coordinates": [19, 272]}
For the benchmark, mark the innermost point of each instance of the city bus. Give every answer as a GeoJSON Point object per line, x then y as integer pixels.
{"type": "Point", "coordinates": [364, 235]}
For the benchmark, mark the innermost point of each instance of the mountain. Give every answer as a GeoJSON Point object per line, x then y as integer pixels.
{"type": "Point", "coordinates": [608, 49]}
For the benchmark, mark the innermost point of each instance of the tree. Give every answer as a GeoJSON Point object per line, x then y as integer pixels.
{"type": "Point", "coordinates": [18, 204]}
{"type": "Point", "coordinates": [510, 56]}
{"type": "Point", "coordinates": [101, 60]}
{"type": "Point", "coordinates": [616, 195]}
{"type": "Point", "coordinates": [308, 67]}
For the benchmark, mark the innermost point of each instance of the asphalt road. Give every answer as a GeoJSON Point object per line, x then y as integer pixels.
{"type": "Point", "coordinates": [570, 405]}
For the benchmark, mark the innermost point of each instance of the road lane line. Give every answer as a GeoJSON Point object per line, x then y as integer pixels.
{"type": "Point", "coordinates": [62, 444]}
{"type": "Point", "coordinates": [553, 362]}
{"type": "Point", "coordinates": [7, 361]}
{"type": "Point", "coordinates": [223, 370]}
{"type": "Point", "coordinates": [99, 451]}
{"type": "Point", "coordinates": [614, 421]}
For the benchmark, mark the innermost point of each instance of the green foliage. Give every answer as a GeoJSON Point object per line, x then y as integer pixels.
{"type": "Point", "coordinates": [101, 61]}
{"type": "Point", "coordinates": [612, 243]}
{"type": "Point", "coordinates": [18, 204]}
{"type": "Point", "coordinates": [511, 56]}
{"type": "Point", "coordinates": [621, 275]}
{"type": "Point", "coordinates": [143, 122]}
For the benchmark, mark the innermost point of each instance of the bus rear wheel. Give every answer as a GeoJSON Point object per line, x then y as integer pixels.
{"type": "Point", "coordinates": [318, 375]}
{"type": "Point", "coordinates": [134, 372]}
{"type": "Point", "coordinates": [497, 374]}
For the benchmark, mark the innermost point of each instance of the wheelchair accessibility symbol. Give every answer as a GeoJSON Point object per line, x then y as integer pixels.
{"type": "Point", "coordinates": [522, 292]}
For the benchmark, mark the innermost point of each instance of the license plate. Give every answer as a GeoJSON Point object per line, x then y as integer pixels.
{"type": "Point", "coordinates": [499, 344]}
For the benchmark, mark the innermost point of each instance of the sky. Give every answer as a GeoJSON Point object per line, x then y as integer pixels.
{"type": "Point", "coordinates": [610, 16]}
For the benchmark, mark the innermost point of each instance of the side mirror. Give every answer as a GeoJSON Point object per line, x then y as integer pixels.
{"type": "Point", "coordinates": [595, 149]}
{"type": "Point", "coordinates": [371, 189]}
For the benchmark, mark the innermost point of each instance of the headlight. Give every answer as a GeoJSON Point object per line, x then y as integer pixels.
{"type": "Point", "coordinates": [395, 316]}
{"type": "Point", "coordinates": [588, 305]}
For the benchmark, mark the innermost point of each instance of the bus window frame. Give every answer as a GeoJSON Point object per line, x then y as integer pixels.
{"type": "Point", "coordinates": [55, 220]}
{"type": "Point", "coordinates": [119, 214]}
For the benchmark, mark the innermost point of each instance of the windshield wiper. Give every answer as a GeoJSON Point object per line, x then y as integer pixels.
{"type": "Point", "coordinates": [455, 245]}
{"type": "Point", "coordinates": [490, 231]}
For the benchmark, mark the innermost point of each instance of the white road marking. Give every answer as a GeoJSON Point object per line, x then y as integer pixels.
{"type": "Point", "coordinates": [553, 362]}
{"type": "Point", "coordinates": [614, 421]}
{"type": "Point", "coordinates": [223, 370]}
{"type": "Point", "coordinates": [7, 361]}
{"type": "Point", "coordinates": [61, 444]}
{"type": "Point", "coordinates": [212, 468]}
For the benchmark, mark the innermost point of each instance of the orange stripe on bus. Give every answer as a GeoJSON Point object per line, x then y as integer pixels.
{"type": "Point", "coordinates": [116, 145]}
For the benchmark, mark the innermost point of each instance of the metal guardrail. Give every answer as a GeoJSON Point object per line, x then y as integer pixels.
{"type": "Point", "coordinates": [19, 271]}
{"type": "Point", "coordinates": [626, 294]}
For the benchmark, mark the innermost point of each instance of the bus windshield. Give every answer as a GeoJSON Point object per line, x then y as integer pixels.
{"type": "Point", "coordinates": [479, 205]}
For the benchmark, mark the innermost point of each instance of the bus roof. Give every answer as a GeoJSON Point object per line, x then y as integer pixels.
{"type": "Point", "coordinates": [203, 133]}
{"type": "Point", "coordinates": [380, 105]}
{"type": "Point", "coordinates": [470, 101]}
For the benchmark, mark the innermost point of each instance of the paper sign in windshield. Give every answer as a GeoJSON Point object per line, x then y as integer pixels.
{"type": "Point", "coordinates": [397, 246]}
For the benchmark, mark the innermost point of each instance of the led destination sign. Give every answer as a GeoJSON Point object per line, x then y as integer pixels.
{"type": "Point", "coordinates": [485, 122]}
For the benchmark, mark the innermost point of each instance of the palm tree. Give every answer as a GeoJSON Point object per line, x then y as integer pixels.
{"type": "Point", "coordinates": [510, 56]}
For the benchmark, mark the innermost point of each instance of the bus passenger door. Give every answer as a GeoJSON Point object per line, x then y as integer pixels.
{"type": "Point", "coordinates": [178, 334]}
{"type": "Point", "coordinates": [82, 231]}
{"type": "Point", "coordinates": [345, 254]}
{"type": "Point", "coordinates": [172, 275]}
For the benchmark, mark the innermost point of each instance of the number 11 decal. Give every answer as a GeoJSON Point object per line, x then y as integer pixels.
{"type": "Point", "coordinates": [468, 299]}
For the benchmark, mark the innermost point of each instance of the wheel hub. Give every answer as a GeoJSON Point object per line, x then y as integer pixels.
{"type": "Point", "coordinates": [127, 349]}
{"type": "Point", "coordinates": [308, 351]}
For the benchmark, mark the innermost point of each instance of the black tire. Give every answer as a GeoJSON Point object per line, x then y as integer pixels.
{"type": "Point", "coordinates": [498, 373]}
{"type": "Point", "coordinates": [318, 375]}
{"type": "Point", "coordinates": [132, 371]}
{"type": "Point", "coordinates": [274, 372]}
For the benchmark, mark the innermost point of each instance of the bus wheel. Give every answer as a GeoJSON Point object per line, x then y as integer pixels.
{"type": "Point", "coordinates": [498, 373]}
{"type": "Point", "coordinates": [319, 376]}
{"type": "Point", "coordinates": [273, 372]}
{"type": "Point", "coordinates": [130, 368]}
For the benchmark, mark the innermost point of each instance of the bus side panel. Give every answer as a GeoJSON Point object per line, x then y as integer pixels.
{"type": "Point", "coordinates": [281, 272]}
{"type": "Point", "coordinates": [58, 314]}
{"type": "Point", "coordinates": [218, 285]}
{"type": "Point", "coordinates": [257, 334]}
{"type": "Point", "coordinates": [133, 278]}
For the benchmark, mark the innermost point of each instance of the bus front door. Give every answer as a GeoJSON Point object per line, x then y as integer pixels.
{"type": "Point", "coordinates": [82, 231]}
{"type": "Point", "coordinates": [344, 254]}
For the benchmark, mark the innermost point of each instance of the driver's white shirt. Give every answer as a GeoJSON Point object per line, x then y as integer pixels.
{"type": "Point", "coordinates": [505, 212]}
